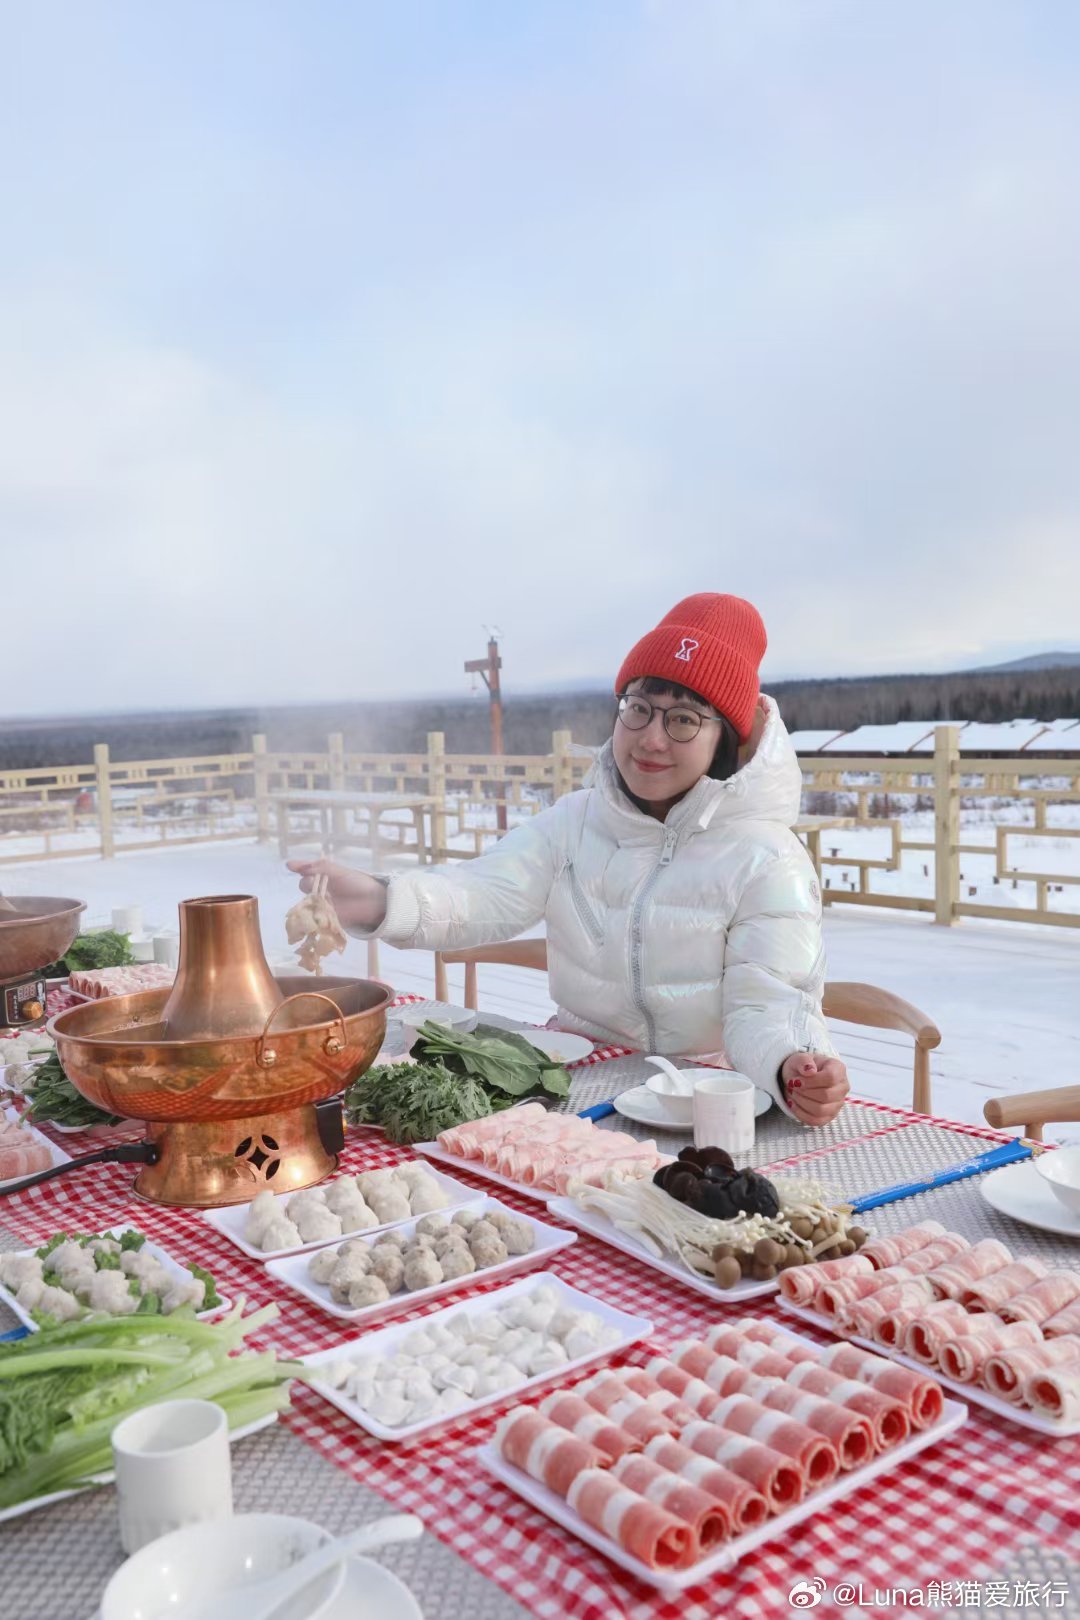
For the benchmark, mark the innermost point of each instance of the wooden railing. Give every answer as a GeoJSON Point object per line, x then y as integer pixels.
{"type": "Point", "coordinates": [110, 807]}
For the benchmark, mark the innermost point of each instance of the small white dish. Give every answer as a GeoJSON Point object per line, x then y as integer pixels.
{"type": "Point", "coordinates": [549, 1240]}
{"type": "Point", "coordinates": [646, 1107]}
{"type": "Point", "coordinates": [1020, 1191]}
{"type": "Point", "coordinates": [1061, 1172]}
{"type": "Point", "coordinates": [211, 1559]}
{"type": "Point", "coordinates": [435, 1012]}
{"type": "Point", "coordinates": [557, 1044]}
{"type": "Point", "coordinates": [230, 1220]}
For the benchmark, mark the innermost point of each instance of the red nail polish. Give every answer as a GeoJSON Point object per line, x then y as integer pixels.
{"type": "Point", "coordinates": [795, 1082]}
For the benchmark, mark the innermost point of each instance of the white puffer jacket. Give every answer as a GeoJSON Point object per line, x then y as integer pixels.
{"type": "Point", "coordinates": [686, 937]}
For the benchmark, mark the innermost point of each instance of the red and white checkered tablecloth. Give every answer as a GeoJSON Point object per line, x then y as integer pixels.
{"type": "Point", "coordinates": [957, 1513]}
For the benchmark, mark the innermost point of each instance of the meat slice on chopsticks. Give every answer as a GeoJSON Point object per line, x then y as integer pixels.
{"type": "Point", "coordinates": [312, 925]}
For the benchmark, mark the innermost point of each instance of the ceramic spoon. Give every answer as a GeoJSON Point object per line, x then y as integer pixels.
{"type": "Point", "coordinates": [673, 1083]}
{"type": "Point", "coordinates": [264, 1600]}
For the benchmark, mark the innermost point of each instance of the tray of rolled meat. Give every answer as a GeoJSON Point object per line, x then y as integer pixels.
{"type": "Point", "coordinates": [1002, 1332]}
{"type": "Point", "coordinates": [678, 1469]}
{"type": "Point", "coordinates": [94, 984]}
{"type": "Point", "coordinates": [536, 1153]}
{"type": "Point", "coordinates": [402, 1381]}
{"type": "Point", "coordinates": [24, 1150]}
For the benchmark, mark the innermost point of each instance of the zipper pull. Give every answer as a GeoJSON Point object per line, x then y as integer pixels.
{"type": "Point", "coordinates": [671, 838]}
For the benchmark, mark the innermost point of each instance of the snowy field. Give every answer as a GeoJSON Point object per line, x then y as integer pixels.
{"type": "Point", "coordinates": [1005, 996]}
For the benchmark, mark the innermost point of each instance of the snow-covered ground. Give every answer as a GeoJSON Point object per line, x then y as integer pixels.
{"type": "Point", "coordinates": [1005, 996]}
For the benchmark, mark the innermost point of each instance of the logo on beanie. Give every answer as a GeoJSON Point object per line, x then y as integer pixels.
{"type": "Point", "coordinates": [687, 649]}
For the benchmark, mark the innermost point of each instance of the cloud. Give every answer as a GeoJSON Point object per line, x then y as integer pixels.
{"type": "Point", "coordinates": [307, 373]}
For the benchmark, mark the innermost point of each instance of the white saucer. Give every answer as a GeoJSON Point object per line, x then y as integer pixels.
{"type": "Point", "coordinates": [369, 1592]}
{"type": "Point", "coordinates": [1019, 1190]}
{"type": "Point", "coordinates": [648, 1108]}
{"type": "Point", "coordinates": [557, 1044]}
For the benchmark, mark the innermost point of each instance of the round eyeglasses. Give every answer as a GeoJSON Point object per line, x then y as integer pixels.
{"type": "Point", "coordinates": [681, 725]}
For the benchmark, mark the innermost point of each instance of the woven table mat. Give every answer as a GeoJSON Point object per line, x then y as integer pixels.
{"type": "Point", "coordinates": [78, 1542]}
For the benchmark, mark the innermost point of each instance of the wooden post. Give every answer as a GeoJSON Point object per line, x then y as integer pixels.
{"type": "Point", "coordinates": [562, 779]}
{"type": "Point", "coordinates": [335, 744]}
{"type": "Point", "coordinates": [946, 822]}
{"type": "Point", "coordinates": [436, 748]}
{"type": "Point", "coordinates": [104, 800]}
{"type": "Point", "coordinates": [262, 808]}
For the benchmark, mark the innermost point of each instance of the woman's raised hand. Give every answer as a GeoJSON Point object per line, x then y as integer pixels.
{"type": "Point", "coordinates": [359, 900]}
{"type": "Point", "coordinates": [815, 1085]}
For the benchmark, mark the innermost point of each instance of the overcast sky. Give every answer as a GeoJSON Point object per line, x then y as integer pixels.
{"type": "Point", "coordinates": [331, 332]}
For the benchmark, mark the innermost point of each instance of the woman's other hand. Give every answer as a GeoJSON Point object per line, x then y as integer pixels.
{"type": "Point", "coordinates": [815, 1085]}
{"type": "Point", "coordinates": [359, 900]}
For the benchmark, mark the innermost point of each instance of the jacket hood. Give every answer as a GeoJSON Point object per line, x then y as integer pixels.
{"type": "Point", "coordinates": [766, 787]}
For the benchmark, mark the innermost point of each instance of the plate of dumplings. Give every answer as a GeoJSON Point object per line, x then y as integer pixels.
{"type": "Point", "coordinates": [367, 1279]}
{"type": "Point", "coordinates": [402, 1381]}
{"type": "Point", "coordinates": [277, 1224]}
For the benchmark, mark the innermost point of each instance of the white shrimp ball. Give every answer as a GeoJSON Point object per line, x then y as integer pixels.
{"type": "Point", "coordinates": [387, 1264]}
{"type": "Point", "coordinates": [422, 1270]}
{"type": "Point", "coordinates": [369, 1290]}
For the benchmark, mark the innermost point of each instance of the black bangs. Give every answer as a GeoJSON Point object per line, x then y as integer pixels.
{"type": "Point", "coordinates": [656, 686]}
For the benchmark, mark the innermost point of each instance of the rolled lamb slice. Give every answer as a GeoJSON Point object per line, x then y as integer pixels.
{"type": "Point", "coordinates": [923, 1338]}
{"type": "Point", "coordinates": [707, 1517]}
{"type": "Point", "coordinates": [816, 1455]}
{"type": "Point", "coordinates": [865, 1314]}
{"type": "Point", "coordinates": [837, 1298]}
{"type": "Point", "coordinates": [851, 1434]}
{"type": "Point", "coordinates": [964, 1354]}
{"type": "Point", "coordinates": [1006, 1373]}
{"type": "Point", "coordinates": [583, 1420]}
{"type": "Point", "coordinates": [746, 1507]}
{"type": "Point", "coordinates": [920, 1393]}
{"type": "Point", "coordinates": [888, 1416]}
{"type": "Point", "coordinates": [994, 1289]}
{"type": "Point", "coordinates": [544, 1450]}
{"type": "Point", "coordinates": [693, 1392]}
{"type": "Point", "coordinates": [730, 1345]}
{"type": "Point", "coordinates": [665, 1400]}
{"type": "Point", "coordinates": [1055, 1392]}
{"type": "Point", "coordinates": [950, 1280]}
{"type": "Point", "coordinates": [800, 1284]}
{"type": "Point", "coordinates": [1065, 1322]}
{"type": "Point", "coordinates": [779, 1479]}
{"type": "Point", "coordinates": [642, 1528]}
{"type": "Point", "coordinates": [1044, 1299]}
{"type": "Point", "coordinates": [888, 1251]}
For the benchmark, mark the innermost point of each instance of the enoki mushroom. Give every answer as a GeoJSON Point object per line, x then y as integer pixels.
{"type": "Point", "coordinates": [312, 925]}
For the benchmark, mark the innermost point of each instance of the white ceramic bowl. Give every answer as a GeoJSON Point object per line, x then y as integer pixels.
{"type": "Point", "coordinates": [1061, 1169]}
{"type": "Point", "coordinates": [220, 1556]}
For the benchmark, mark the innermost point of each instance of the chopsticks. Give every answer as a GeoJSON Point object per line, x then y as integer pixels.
{"type": "Point", "coordinates": [993, 1159]}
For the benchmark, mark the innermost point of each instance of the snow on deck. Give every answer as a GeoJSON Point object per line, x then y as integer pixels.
{"type": "Point", "coordinates": [1004, 995]}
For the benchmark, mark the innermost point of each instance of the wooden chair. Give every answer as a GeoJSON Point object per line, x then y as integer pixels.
{"type": "Point", "coordinates": [1033, 1110]}
{"type": "Point", "coordinates": [849, 1003]}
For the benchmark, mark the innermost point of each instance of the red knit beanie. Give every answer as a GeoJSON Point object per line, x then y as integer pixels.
{"type": "Point", "coordinates": [712, 644]}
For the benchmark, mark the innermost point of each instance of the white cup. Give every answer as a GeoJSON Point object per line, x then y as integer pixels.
{"type": "Point", "coordinates": [167, 950]}
{"type": "Point", "coordinates": [128, 920]}
{"type": "Point", "coordinates": [172, 1468]}
{"type": "Point", "coordinates": [723, 1111]}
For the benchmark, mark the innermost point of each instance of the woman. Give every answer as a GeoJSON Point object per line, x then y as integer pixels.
{"type": "Point", "coordinates": [683, 915]}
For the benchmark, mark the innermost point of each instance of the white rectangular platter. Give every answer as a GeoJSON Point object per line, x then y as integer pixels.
{"type": "Point", "coordinates": [58, 1154]}
{"type": "Point", "coordinates": [673, 1581]}
{"type": "Point", "coordinates": [385, 1342]}
{"type": "Point", "coordinates": [598, 1226]}
{"type": "Point", "coordinates": [548, 1240]}
{"type": "Point", "coordinates": [174, 1267]}
{"type": "Point", "coordinates": [17, 1509]}
{"type": "Point", "coordinates": [969, 1392]}
{"type": "Point", "coordinates": [230, 1220]}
